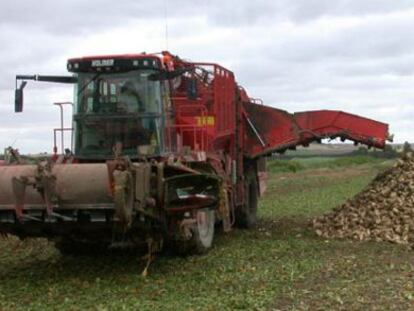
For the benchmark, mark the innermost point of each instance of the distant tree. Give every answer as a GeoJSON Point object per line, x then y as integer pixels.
{"type": "Point", "coordinates": [362, 150]}
{"type": "Point", "coordinates": [389, 152]}
{"type": "Point", "coordinates": [389, 148]}
{"type": "Point", "coordinates": [407, 147]}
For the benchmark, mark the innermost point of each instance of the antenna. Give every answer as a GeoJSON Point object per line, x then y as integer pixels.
{"type": "Point", "coordinates": [166, 23]}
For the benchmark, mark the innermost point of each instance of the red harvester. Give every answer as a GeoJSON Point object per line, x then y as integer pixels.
{"type": "Point", "coordinates": [163, 151]}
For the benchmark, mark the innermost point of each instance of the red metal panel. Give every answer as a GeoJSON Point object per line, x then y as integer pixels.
{"type": "Point", "coordinates": [193, 127]}
{"type": "Point", "coordinates": [208, 121]}
{"type": "Point", "coordinates": [115, 56]}
{"type": "Point", "coordinates": [268, 129]}
{"type": "Point", "coordinates": [329, 123]}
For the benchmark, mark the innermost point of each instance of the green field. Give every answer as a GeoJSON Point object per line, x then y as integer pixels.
{"type": "Point", "coordinates": [280, 265]}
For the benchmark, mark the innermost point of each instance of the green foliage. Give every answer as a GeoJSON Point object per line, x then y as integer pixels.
{"type": "Point", "coordinates": [355, 160]}
{"type": "Point", "coordinates": [278, 166]}
{"type": "Point", "coordinates": [298, 164]}
{"type": "Point", "coordinates": [389, 152]}
{"type": "Point", "coordinates": [315, 162]}
{"type": "Point", "coordinates": [389, 148]}
{"type": "Point", "coordinates": [362, 150]}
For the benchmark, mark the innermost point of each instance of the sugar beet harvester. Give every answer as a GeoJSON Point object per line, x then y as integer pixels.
{"type": "Point", "coordinates": [165, 150]}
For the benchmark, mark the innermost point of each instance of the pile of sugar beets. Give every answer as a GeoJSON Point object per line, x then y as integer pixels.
{"type": "Point", "coordinates": [383, 211]}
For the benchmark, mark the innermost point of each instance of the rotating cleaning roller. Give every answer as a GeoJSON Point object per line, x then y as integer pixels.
{"type": "Point", "coordinates": [76, 186]}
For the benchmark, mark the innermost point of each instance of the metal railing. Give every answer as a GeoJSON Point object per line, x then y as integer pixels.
{"type": "Point", "coordinates": [62, 130]}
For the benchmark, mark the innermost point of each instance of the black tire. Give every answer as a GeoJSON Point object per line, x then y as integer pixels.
{"type": "Point", "coordinates": [202, 237]}
{"type": "Point", "coordinates": [246, 216]}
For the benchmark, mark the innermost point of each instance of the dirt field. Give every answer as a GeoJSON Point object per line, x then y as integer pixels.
{"type": "Point", "coordinates": [281, 265]}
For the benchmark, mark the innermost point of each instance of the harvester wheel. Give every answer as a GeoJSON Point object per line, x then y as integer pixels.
{"type": "Point", "coordinates": [202, 234]}
{"type": "Point", "coordinates": [246, 216]}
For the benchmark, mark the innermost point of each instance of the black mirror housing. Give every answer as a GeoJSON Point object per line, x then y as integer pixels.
{"type": "Point", "coordinates": [18, 100]}
{"type": "Point", "coordinates": [18, 97]}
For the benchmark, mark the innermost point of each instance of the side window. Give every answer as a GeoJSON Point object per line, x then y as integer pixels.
{"type": "Point", "coordinates": [84, 100]}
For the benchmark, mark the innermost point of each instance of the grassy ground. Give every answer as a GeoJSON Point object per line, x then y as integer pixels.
{"type": "Point", "coordinates": [281, 265]}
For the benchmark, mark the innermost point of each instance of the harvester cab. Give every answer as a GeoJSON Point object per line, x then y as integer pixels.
{"type": "Point", "coordinates": [118, 102]}
{"type": "Point", "coordinates": [164, 150]}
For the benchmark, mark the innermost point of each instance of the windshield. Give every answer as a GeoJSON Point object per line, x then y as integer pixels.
{"type": "Point", "coordinates": [130, 92]}
{"type": "Point", "coordinates": [115, 108]}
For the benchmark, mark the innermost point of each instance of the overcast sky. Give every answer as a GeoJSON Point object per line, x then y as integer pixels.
{"type": "Point", "coordinates": [352, 55]}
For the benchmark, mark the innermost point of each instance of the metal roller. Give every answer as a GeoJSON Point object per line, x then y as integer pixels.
{"type": "Point", "coordinates": [76, 184]}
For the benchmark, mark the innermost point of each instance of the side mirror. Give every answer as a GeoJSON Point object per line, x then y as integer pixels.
{"type": "Point", "coordinates": [18, 98]}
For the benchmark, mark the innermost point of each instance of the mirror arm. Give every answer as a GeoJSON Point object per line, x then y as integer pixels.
{"type": "Point", "coordinates": [41, 78]}
{"type": "Point", "coordinates": [18, 95]}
